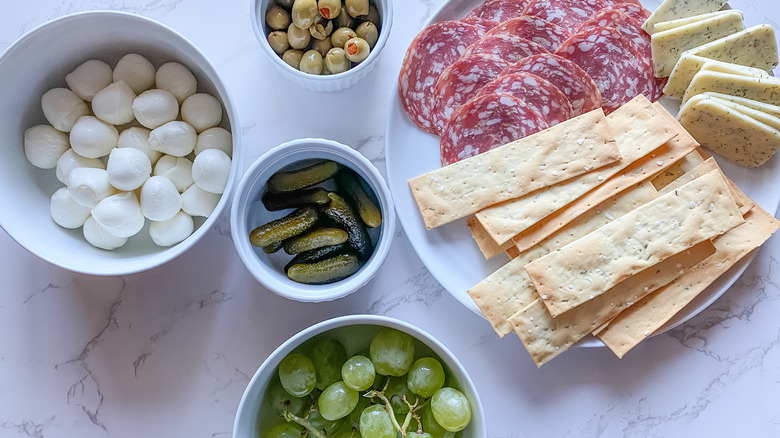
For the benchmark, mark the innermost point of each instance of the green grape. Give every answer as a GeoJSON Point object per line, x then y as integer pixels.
{"type": "Point", "coordinates": [425, 377]}
{"type": "Point", "coordinates": [347, 431]}
{"type": "Point", "coordinates": [354, 416]}
{"type": "Point", "coordinates": [431, 427]}
{"type": "Point", "coordinates": [418, 435]}
{"type": "Point", "coordinates": [281, 400]}
{"type": "Point", "coordinates": [392, 352]}
{"type": "Point", "coordinates": [337, 401]}
{"type": "Point", "coordinates": [328, 356]}
{"type": "Point", "coordinates": [323, 425]}
{"type": "Point", "coordinates": [285, 430]}
{"type": "Point", "coordinates": [396, 389]}
{"type": "Point", "coordinates": [451, 409]}
{"type": "Point", "coordinates": [358, 373]}
{"type": "Point", "coordinates": [297, 374]}
{"type": "Point", "coordinates": [375, 422]}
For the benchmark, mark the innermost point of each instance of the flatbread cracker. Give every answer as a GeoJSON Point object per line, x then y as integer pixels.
{"type": "Point", "coordinates": [686, 164]}
{"type": "Point", "coordinates": [485, 243]}
{"type": "Point", "coordinates": [743, 202]}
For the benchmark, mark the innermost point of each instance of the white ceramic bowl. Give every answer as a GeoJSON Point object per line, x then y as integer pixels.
{"type": "Point", "coordinates": [355, 332]}
{"type": "Point", "coordinates": [39, 61]}
{"type": "Point", "coordinates": [248, 212]}
{"type": "Point", "coordinates": [321, 83]}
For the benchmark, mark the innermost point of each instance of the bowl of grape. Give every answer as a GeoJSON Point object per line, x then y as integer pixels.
{"type": "Point", "coordinates": [361, 376]}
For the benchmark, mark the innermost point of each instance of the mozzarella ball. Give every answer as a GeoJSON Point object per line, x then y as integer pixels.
{"type": "Point", "coordinates": [88, 186]}
{"type": "Point", "coordinates": [172, 231]}
{"type": "Point", "coordinates": [120, 215]}
{"type": "Point", "coordinates": [198, 202]}
{"type": "Point", "coordinates": [202, 111]}
{"type": "Point", "coordinates": [211, 170]}
{"type": "Point", "coordinates": [177, 79]}
{"type": "Point", "coordinates": [154, 108]}
{"type": "Point", "coordinates": [114, 104]}
{"type": "Point", "coordinates": [71, 160]}
{"type": "Point", "coordinates": [66, 212]}
{"type": "Point", "coordinates": [128, 168]}
{"type": "Point", "coordinates": [215, 138]}
{"type": "Point", "coordinates": [44, 145]}
{"type": "Point", "coordinates": [173, 138]}
{"type": "Point", "coordinates": [160, 200]}
{"type": "Point", "coordinates": [176, 169]}
{"type": "Point", "coordinates": [138, 138]}
{"type": "Point", "coordinates": [62, 108]}
{"type": "Point", "coordinates": [92, 137]}
{"type": "Point", "coordinates": [136, 71]}
{"type": "Point", "coordinates": [89, 78]}
{"type": "Point", "coordinates": [98, 237]}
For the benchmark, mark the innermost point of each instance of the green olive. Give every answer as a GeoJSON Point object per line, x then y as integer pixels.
{"type": "Point", "coordinates": [277, 18]}
{"type": "Point", "coordinates": [311, 62]}
{"type": "Point", "coordinates": [287, 4]}
{"type": "Point", "coordinates": [322, 46]}
{"type": "Point", "coordinates": [355, 8]}
{"type": "Point", "coordinates": [373, 16]}
{"type": "Point", "coordinates": [304, 12]}
{"type": "Point", "coordinates": [321, 29]}
{"type": "Point", "coordinates": [344, 20]}
{"type": "Point", "coordinates": [293, 58]}
{"type": "Point", "coordinates": [336, 60]}
{"type": "Point", "coordinates": [368, 31]}
{"type": "Point", "coordinates": [329, 9]}
{"type": "Point", "coordinates": [341, 35]}
{"type": "Point", "coordinates": [357, 49]}
{"type": "Point", "coordinates": [298, 38]}
{"type": "Point", "coordinates": [278, 41]}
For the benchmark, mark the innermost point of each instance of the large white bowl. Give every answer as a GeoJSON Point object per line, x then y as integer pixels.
{"type": "Point", "coordinates": [39, 61]}
{"type": "Point", "coordinates": [355, 332]}
{"type": "Point", "coordinates": [248, 212]}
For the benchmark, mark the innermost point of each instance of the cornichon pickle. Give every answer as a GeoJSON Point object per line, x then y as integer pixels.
{"type": "Point", "coordinates": [341, 213]}
{"type": "Point", "coordinates": [325, 271]}
{"type": "Point", "coordinates": [315, 255]}
{"type": "Point", "coordinates": [287, 181]}
{"type": "Point", "coordinates": [349, 182]}
{"type": "Point", "coordinates": [315, 239]}
{"type": "Point", "coordinates": [274, 201]}
{"type": "Point", "coordinates": [272, 248]}
{"type": "Point", "coordinates": [291, 225]}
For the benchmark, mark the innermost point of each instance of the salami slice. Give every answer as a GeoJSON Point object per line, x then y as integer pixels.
{"type": "Point", "coordinates": [637, 12]}
{"type": "Point", "coordinates": [569, 14]}
{"type": "Point", "coordinates": [614, 64]}
{"type": "Point", "coordinates": [487, 122]}
{"type": "Point", "coordinates": [482, 24]}
{"type": "Point", "coordinates": [433, 50]}
{"type": "Point", "coordinates": [542, 32]}
{"type": "Point", "coordinates": [499, 10]}
{"type": "Point", "coordinates": [573, 81]}
{"type": "Point", "coordinates": [510, 48]}
{"type": "Point", "coordinates": [538, 93]}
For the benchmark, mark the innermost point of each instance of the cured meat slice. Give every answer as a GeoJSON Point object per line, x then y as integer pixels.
{"type": "Point", "coordinates": [573, 81]}
{"type": "Point", "coordinates": [487, 122]}
{"type": "Point", "coordinates": [546, 34]}
{"type": "Point", "coordinates": [510, 48]}
{"type": "Point", "coordinates": [460, 82]}
{"type": "Point", "coordinates": [538, 93]}
{"type": "Point", "coordinates": [569, 14]}
{"type": "Point", "coordinates": [613, 62]}
{"type": "Point", "coordinates": [432, 50]}
{"type": "Point", "coordinates": [483, 24]}
{"type": "Point", "coordinates": [637, 12]}
{"type": "Point", "coordinates": [499, 10]}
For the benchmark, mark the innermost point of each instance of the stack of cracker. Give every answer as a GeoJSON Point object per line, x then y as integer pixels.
{"type": "Point", "coordinates": [612, 223]}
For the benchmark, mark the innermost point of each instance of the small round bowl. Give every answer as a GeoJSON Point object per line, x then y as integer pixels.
{"type": "Point", "coordinates": [36, 63]}
{"type": "Point", "coordinates": [248, 212]}
{"type": "Point", "coordinates": [355, 333]}
{"type": "Point", "coordinates": [321, 83]}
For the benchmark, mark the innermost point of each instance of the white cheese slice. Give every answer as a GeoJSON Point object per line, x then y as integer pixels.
{"type": "Point", "coordinates": [674, 9]}
{"type": "Point", "coordinates": [772, 110]}
{"type": "Point", "coordinates": [670, 44]}
{"type": "Point", "coordinates": [666, 25]}
{"type": "Point", "coordinates": [755, 47]}
{"type": "Point", "coordinates": [688, 65]}
{"type": "Point", "coordinates": [766, 89]}
{"type": "Point", "coordinates": [762, 117]}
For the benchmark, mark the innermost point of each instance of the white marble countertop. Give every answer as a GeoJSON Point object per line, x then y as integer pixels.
{"type": "Point", "coordinates": [169, 352]}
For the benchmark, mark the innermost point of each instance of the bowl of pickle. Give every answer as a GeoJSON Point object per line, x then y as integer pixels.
{"type": "Point", "coordinates": [361, 376]}
{"type": "Point", "coordinates": [322, 45]}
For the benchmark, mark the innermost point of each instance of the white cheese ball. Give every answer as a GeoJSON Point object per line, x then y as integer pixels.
{"type": "Point", "coordinates": [89, 78]}
{"type": "Point", "coordinates": [62, 108]}
{"type": "Point", "coordinates": [71, 160]}
{"type": "Point", "coordinates": [44, 145]}
{"type": "Point", "coordinates": [172, 231]}
{"type": "Point", "coordinates": [173, 138]}
{"type": "Point", "coordinates": [65, 211]}
{"type": "Point", "coordinates": [114, 104]}
{"type": "Point", "coordinates": [177, 79]}
{"type": "Point", "coordinates": [92, 137]}
{"type": "Point", "coordinates": [160, 200]}
{"type": "Point", "coordinates": [138, 138]}
{"type": "Point", "coordinates": [128, 168]}
{"type": "Point", "coordinates": [176, 169]}
{"type": "Point", "coordinates": [198, 202]}
{"type": "Point", "coordinates": [211, 170]}
{"type": "Point", "coordinates": [88, 186]}
{"type": "Point", "coordinates": [98, 237]}
{"type": "Point", "coordinates": [202, 111]}
{"type": "Point", "coordinates": [154, 108]}
{"type": "Point", "coordinates": [120, 215]}
{"type": "Point", "coordinates": [215, 138]}
{"type": "Point", "coordinates": [136, 71]}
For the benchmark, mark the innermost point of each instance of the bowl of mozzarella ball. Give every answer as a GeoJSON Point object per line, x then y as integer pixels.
{"type": "Point", "coordinates": [361, 376]}
{"type": "Point", "coordinates": [322, 45]}
{"type": "Point", "coordinates": [119, 151]}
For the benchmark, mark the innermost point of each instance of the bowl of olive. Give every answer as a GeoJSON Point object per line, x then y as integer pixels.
{"type": "Point", "coordinates": [322, 45]}
{"type": "Point", "coordinates": [312, 220]}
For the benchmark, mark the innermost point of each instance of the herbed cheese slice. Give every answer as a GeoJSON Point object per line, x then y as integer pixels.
{"type": "Point", "coordinates": [566, 150]}
{"type": "Point", "coordinates": [674, 9]}
{"type": "Point", "coordinates": [762, 117]}
{"type": "Point", "coordinates": [735, 69]}
{"type": "Point", "coordinates": [670, 44]}
{"type": "Point", "coordinates": [591, 265]}
{"type": "Point", "coordinates": [688, 65]}
{"type": "Point", "coordinates": [755, 47]}
{"type": "Point", "coordinates": [671, 24]}
{"type": "Point", "coordinates": [772, 110]}
{"type": "Point", "coordinates": [765, 89]}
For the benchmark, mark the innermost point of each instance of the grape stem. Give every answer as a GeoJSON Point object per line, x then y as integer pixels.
{"type": "Point", "coordinates": [304, 423]}
{"type": "Point", "coordinates": [412, 414]}
{"type": "Point", "coordinates": [388, 407]}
